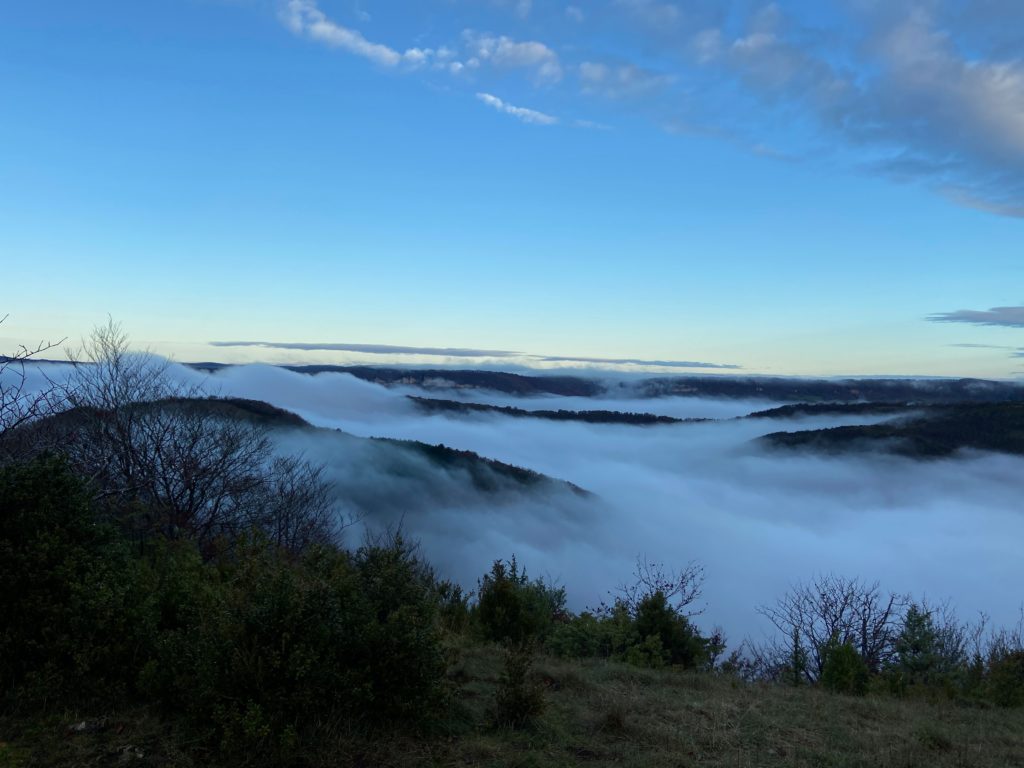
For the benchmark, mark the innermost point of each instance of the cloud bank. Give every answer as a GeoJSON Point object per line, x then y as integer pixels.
{"type": "Point", "coordinates": [758, 520]}
{"type": "Point", "coordinates": [371, 349]}
{"type": "Point", "coordinates": [456, 352]}
{"type": "Point", "coordinates": [635, 361]}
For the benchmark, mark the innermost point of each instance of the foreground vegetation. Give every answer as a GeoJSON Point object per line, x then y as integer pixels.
{"type": "Point", "coordinates": [165, 652]}
{"type": "Point", "coordinates": [173, 592]}
{"type": "Point", "coordinates": [597, 713]}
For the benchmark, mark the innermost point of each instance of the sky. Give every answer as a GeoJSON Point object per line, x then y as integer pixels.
{"type": "Point", "coordinates": [710, 187]}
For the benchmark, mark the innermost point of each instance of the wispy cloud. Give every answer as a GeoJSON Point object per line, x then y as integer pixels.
{"type": "Point", "coordinates": [525, 357]}
{"type": "Point", "coordinates": [623, 80]}
{"type": "Point", "coordinates": [530, 116]}
{"type": "Point", "coordinates": [634, 361]}
{"type": "Point", "coordinates": [1009, 317]}
{"type": "Point", "coordinates": [505, 53]}
{"type": "Point", "coordinates": [370, 349]}
{"type": "Point", "coordinates": [919, 91]}
{"type": "Point", "coordinates": [981, 346]}
{"type": "Point", "coordinates": [304, 17]}
{"type": "Point", "coordinates": [902, 88]}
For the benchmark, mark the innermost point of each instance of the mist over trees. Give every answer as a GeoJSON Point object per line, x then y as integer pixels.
{"type": "Point", "coordinates": [21, 404]}
{"type": "Point", "coordinates": [164, 450]}
{"type": "Point", "coordinates": [157, 549]}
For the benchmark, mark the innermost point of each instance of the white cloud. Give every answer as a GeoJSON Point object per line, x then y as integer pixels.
{"type": "Point", "coordinates": [574, 13]}
{"type": "Point", "coordinates": [304, 17]}
{"type": "Point", "coordinates": [920, 90]}
{"type": "Point", "coordinates": [621, 80]}
{"type": "Point", "coordinates": [505, 53]}
{"type": "Point", "coordinates": [530, 116]}
{"type": "Point", "coordinates": [909, 90]}
{"type": "Point", "coordinates": [941, 96]}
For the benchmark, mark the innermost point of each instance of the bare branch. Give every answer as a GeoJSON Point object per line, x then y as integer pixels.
{"type": "Point", "coordinates": [841, 609]}
{"type": "Point", "coordinates": [21, 404]}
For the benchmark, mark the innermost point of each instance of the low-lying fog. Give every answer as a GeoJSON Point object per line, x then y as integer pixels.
{"type": "Point", "coordinates": [757, 520]}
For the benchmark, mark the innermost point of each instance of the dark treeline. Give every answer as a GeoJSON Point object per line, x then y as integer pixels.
{"type": "Point", "coordinates": [435, 405]}
{"type": "Point", "coordinates": [780, 389]}
{"type": "Point", "coordinates": [498, 381]}
{"type": "Point", "coordinates": [836, 391]}
{"type": "Point", "coordinates": [929, 432]}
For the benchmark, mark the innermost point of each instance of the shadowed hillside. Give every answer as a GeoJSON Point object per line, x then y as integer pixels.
{"type": "Point", "coordinates": [435, 405]}
{"type": "Point", "coordinates": [938, 431]}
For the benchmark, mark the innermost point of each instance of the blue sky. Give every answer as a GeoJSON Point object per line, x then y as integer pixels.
{"type": "Point", "coordinates": [791, 188]}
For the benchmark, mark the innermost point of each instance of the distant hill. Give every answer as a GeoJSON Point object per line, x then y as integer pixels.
{"type": "Point", "coordinates": [384, 455]}
{"type": "Point", "coordinates": [434, 405]}
{"type": "Point", "coordinates": [486, 474]}
{"type": "Point", "coordinates": [827, 391]}
{"type": "Point", "coordinates": [934, 432]}
{"type": "Point", "coordinates": [779, 389]}
{"type": "Point", "coordinates": [801, 410]}
{"type": "Point", "coordinates": [510, 383]}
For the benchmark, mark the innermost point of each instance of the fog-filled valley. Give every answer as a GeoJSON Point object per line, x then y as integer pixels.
{"type": "Point", "coordinates": [619, 383]}
{"type": "Point", "coordinates": [758, 518]}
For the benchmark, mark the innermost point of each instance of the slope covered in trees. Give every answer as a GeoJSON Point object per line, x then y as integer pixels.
{"type": "Point", "coordinates": [933, 432]}
{"type": "Point", "coordinates": [436, 405]}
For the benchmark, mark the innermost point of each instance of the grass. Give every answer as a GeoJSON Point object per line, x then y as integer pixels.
{"type": "Point", "coordinates": [597, 714]}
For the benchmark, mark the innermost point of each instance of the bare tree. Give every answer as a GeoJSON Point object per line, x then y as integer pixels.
{"type": "Point", "coordinates": [681, 588]}
{"type": "Point", "coordinates": [175, 461]}
{"type": "Point", "coordinates": [21, 404]}
{"type": "Point", "coordinates": [995, 643]}
{"type": "Point", "coordinates": [835, 608]}
{"type": "Point", "coordinates": [298, 510]}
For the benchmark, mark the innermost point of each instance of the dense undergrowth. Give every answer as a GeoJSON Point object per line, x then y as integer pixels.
{"type": "Point", "coordinates": [252, 654]}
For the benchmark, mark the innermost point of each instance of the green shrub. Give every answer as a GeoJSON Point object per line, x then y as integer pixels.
{"type": "Point", "coordinates": [649, 653]}
{"type": "Point", "coordinates": [843, 670]}
{"type": "Point", "coordinates": [579, 637]}
{"type": "Point", "coordinates": [67, 590]}
{"type": "Point", "coordinates": [453, 606]}
{"type": "Point", "coordinates": [518, 700]}
{"type": "Point", "coordinates": [405, 664]}
{"type": "Point", "coordinates": [512, 608]}
{"type": "Point", "coordinates": [266, 649]}
{"type": "Point", "coordinates": [681, 642]}
{"type": "Point", "coordinates": [1005, 683]}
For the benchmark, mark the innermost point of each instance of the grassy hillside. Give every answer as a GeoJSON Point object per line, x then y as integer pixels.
{"type": "Point", "coordinates": [598, 713]}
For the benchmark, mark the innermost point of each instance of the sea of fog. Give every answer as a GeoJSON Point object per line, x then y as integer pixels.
{"type": "Point", "coordinates": [757, 520]}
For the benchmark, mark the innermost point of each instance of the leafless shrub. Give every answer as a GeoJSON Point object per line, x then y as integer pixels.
{"type": "Point", "coordinates": [175, 456]}
{"type": "Point", "coordinates": [833, 608]}
{"type": "Point", "coordinates": [20, 404]}
{"type": "Point", "coordinates": [682, 588]}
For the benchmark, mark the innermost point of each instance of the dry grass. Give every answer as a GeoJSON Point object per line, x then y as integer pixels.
{"type": "Point", "coordinates": [606, 714]}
